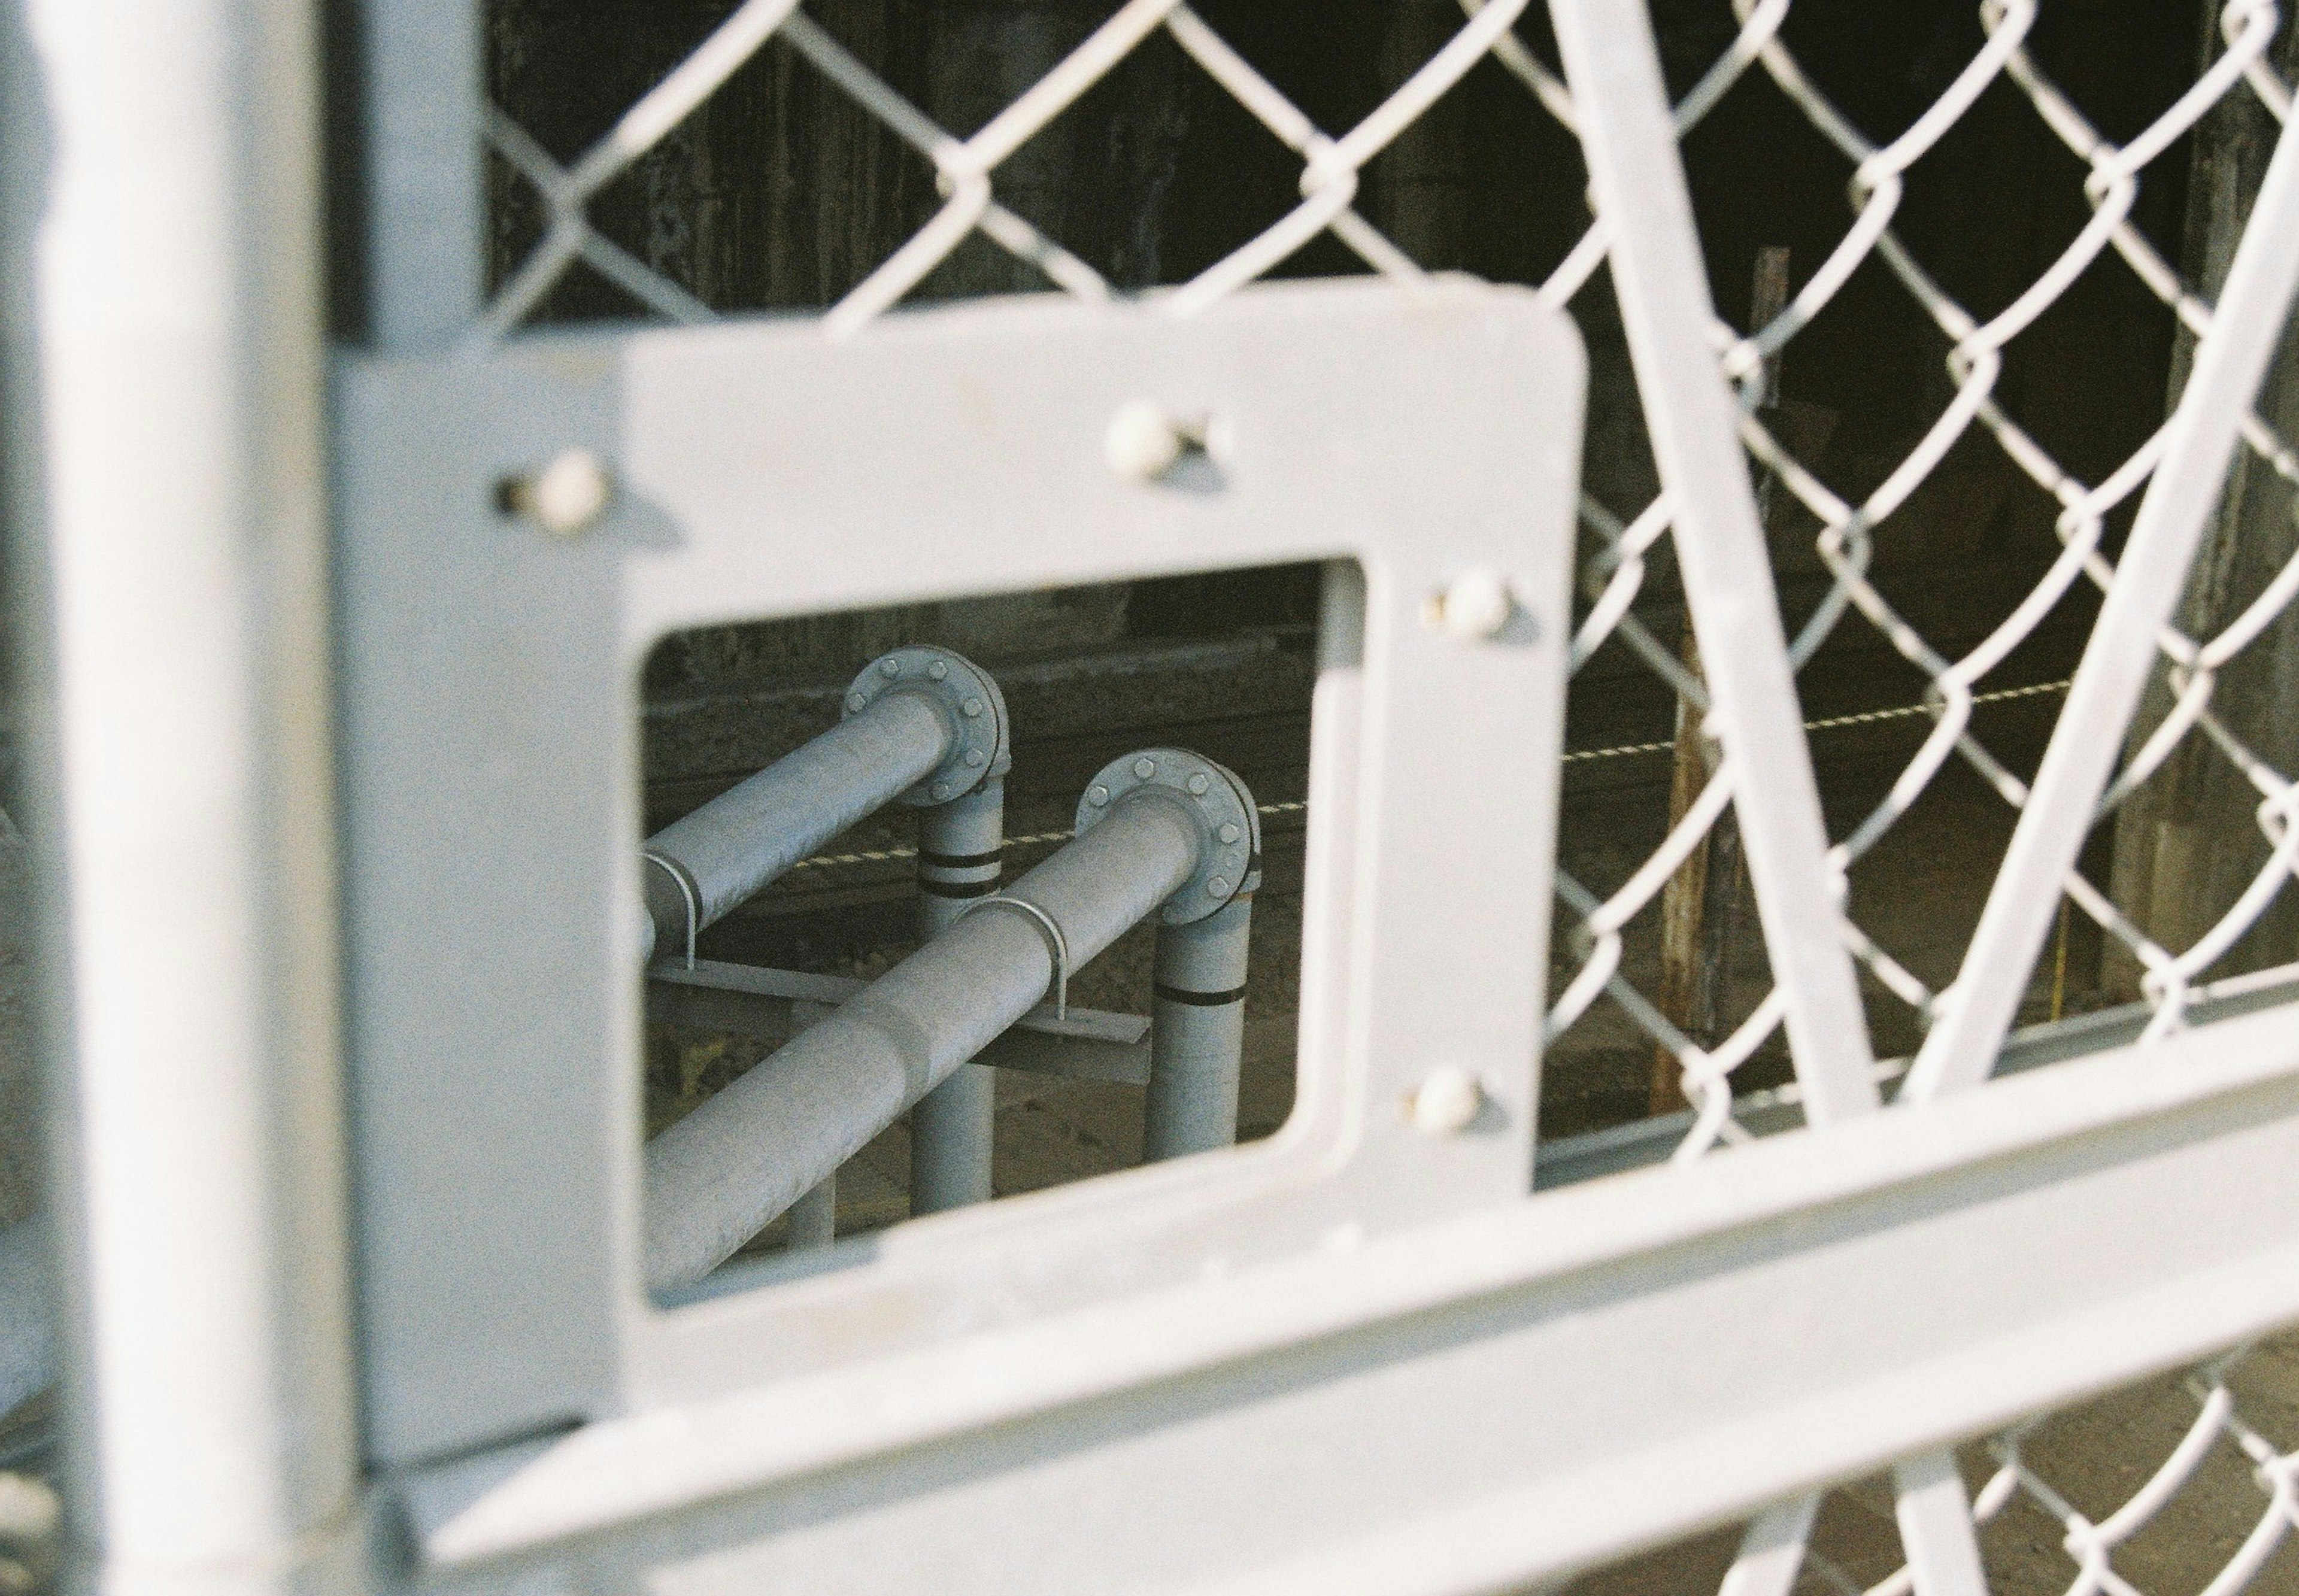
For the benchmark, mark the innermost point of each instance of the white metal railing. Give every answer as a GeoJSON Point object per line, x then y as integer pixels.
{"type": "Point", "coordinates": [1702, 387]}
{"type": "Point", "coordinates": [1741, 692]}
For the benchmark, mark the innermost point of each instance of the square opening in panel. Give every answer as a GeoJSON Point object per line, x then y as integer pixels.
{"type": "Point", "coordinates": [951, 902]}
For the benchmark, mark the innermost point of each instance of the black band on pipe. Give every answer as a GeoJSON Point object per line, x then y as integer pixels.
{"type": "Point", "coordinates": [960, 862]}
{"type": "Point", "coordinates": [1197, 1000]}
{"type": "Point", "coordinates": [957, 889]}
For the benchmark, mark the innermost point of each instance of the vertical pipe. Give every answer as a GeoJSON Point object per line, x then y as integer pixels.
{"type": "Point", "coordinates": [1196, 1035]}
{"type": "Point", "coordinates": [423, 209]}
{"type": "Point", "coordinates": [179, 521]}
{"type": "Point", "coordinates": [28, 1354]}
{"type": "Point", "coordinates": [959, 847]}
{"type": "Point", "coordinates": [814, 1217]}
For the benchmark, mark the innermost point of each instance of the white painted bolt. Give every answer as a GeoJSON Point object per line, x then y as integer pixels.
{"type": "Point", "coordinates": [1145, 769]}
{"type": "Point", "coordinates": [1218, 887]}
{"type": "Point", "coordinates": [941, 789]}
{"type": "Point", "coordinates": [1198, 785]}
{"type": "Point", "coordinates": [1229, 833]}
{"type": "Point", "coordinates": [1448, 1100]}
{"type": "Point", "coordinates": [855, 703]}
{"type": "Point", "coordinates": [889, 668]}
{"type": "Point", "coordinates": [977, 759]}
{"type": "Point", "coordinates": [1475, 604]}
{"type": "Point", "coordinates": [1097, 796]}
{"type": "Point", "coordinates": [937, 670]}
{"type": "Point", "coordinates": [569, 493]}
{"type": "Point", "coordinates": [972, 707]}
{"type": "Point", "coordinates": [1143, 442]}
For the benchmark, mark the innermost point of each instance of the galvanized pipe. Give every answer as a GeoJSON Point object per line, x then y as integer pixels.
{"type": "Point", "coordinates": [960, 863]}
{"type": "Point", "coordinates": [814, 1217]}
{"type": "Point", "coordinates": [923, 726]}
{"type": "Point", "coordinates": [722, 1172]}
{"type": "Point", "coordinates": [1197, 1033]}
{"type": "Point", "coordinates": [27, 1351]}
{"type": "Point", "coordinates": [717, 858]}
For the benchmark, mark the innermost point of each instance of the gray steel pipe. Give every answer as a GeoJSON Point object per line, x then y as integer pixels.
{"type": "Point", "coordinates": [922, 724]}
{"type": "Point", "coordinates": [27, 1348]}
{"type": "Point", "coordinates": [721, 1175]}
{"type": "Point", "coordinates": [747, 836]}
{"type": "Point", "coordinates": [951, 1129]}
{"type": "Point", "coordinates": [1197, 1033]}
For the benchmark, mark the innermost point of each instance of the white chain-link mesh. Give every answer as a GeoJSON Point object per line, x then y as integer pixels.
{"type": "Point", "coordinates": [1627, 544]}
{"type": "Point", "coordinates": [2196, 1497]}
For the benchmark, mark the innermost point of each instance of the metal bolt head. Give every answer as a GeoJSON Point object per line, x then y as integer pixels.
{"type": "Point", "coordinates": [1448, 1099]}
{"type": "Point", "coordinates": [1143, 442]}
{"type": "Point", "coordinates": [971, 708]}
{"type": "Point", "coordinates": [888, 668]}
{"type": "Point", "coordinates": [977, 759]}
{"type": "Point", "coordinates": [569, 493]}
{"type": "Point", "coordinates": [1145, 769]}
{"type": "Point", "coordinates": [1097, 796]}
{"type": "Point", "coordinates": [941, 790]}
{"type": "Point", "coordinates": [1229, 833]}
{"type": "Point", "coordinates": [1475, 604]}
{"type": "Point", "coordinates": [1218, 887]}
{"type": "Point", "coordinates": [937, 670]}
{"type": "Point", "coordinates": [1198, 785]}
{"type": "Point", "coordinates": [856, 703]}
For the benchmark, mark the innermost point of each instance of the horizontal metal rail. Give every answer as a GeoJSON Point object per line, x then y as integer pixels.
{"type": "Point", "coordinates": [1480, 1468]}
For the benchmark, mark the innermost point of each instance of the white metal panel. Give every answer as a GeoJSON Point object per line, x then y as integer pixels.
{"type": "Point", "coordinates": [490, 707]}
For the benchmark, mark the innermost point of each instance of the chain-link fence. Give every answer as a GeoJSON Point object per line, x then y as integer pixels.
{"type": "Point", "coordinates": [1913, 613]}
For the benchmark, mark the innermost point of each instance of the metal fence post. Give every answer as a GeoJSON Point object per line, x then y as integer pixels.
{"type": "Point", "coordinates": [181, 525]}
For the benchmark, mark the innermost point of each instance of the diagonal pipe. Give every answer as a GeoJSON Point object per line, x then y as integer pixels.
{"type": "Point", "coordinates": [1158, 830]}
{"type": "Point", "coordinates": [922, 724]}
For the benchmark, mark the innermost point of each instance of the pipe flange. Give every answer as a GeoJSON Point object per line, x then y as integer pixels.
{"type": "Point", "coordinates": [965, 695]}
{"type": "Point", "coordinates": [1229, 857]}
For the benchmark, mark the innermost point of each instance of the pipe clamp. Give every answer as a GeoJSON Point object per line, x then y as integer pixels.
{"type": "Point", "coordinates": [1058, 946]}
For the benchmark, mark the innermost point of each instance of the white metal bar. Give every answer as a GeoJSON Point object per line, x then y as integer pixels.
{"type": "Point", "coordinates": [1772, 1552]}
{"type": "Point", "coordinates": [1524, 1449]}
{"type": "Point", "coordinates": [2200, 441]}
{"type": "Point", "coordinates": [423, 236]}
{"type": "Point", "coordinates": [180, 388]}
{"type": "Point", "coordinates": [1936, 1528]}
{"type": "Point", "coordinates": [1629, 142]}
